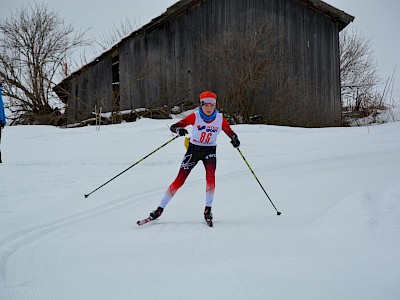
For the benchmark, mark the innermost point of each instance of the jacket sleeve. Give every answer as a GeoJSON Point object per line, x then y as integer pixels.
{"type": "Point", "coordinates": [227, 129]}
{"type": "Point", "coordinates": [189, 120]}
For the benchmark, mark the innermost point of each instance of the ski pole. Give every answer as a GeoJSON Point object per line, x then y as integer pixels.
{"type": "Point", "coordinates": [241, 154]}
{"type": "Point", "coordinates": [87, 195]}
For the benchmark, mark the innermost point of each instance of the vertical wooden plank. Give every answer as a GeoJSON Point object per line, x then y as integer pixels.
{"type": "Point", "coordinates": [192, 48]}
{"type": "Point", "coordinates": [124, 76]}
{"type": "Point", "coordinates": [170, 59]}
{"type": "Point", "coordinates": [181, 57]}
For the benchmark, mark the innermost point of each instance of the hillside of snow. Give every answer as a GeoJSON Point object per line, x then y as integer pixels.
{"type": "Point", "coordinates": [338, 236]}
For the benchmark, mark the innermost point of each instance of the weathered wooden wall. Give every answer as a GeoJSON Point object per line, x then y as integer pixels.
{"type": "Point", "coordinates": [162, 64]}
{"type": "Point", "coordinates": [91, 88]}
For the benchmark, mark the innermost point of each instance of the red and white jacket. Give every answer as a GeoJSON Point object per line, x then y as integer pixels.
{"type": "Point", "coordinates": [204, 133]}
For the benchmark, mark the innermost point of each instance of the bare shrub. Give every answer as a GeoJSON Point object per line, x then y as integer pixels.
{"type": "Point", "coordinates": [249, 65]}
{"type": "Point", "coordinates": [359, 77]}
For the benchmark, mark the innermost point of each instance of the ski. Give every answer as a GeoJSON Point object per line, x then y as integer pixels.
{"type": "Point", "coordinates": [144, 221]}
{"type": "Point", "coordinates": [147, 220]}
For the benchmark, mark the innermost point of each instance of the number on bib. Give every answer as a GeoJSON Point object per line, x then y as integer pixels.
{"type": "Point", "coordinates": [205, 137]}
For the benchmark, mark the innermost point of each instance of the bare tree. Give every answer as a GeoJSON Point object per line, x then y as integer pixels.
{"type": "Point", "coordinates": [35, 44]}
{"type": "Point", "coordinates": [358, 74]}
{"type": "Point", "coordinates": [109, 39]}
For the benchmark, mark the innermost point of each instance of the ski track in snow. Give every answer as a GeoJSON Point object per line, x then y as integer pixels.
{"type": "Point", "coordinates": [23, 255]}
{"type": "Point", "coordinates": [24, 237]}
{"type": "Point", "coordinates": [21, 239]}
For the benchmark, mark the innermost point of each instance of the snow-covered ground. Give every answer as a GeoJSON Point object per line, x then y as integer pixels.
{"type": "Point", "coordinates": [338, 236]}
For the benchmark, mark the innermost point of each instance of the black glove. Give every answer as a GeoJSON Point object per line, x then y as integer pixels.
{"type": "Point", "coordinates": [235, 141]}
{"type": "Point", "coordinates": [182, 131]}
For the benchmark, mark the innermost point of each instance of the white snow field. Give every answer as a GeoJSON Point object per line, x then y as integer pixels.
{"type": "Point", "coordinates": [338, 236]}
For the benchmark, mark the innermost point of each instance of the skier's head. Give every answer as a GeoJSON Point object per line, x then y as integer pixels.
{"type": "Point", "coordinates": [208, 97]}
{"type": "Point", "coordinates": [208, 101]}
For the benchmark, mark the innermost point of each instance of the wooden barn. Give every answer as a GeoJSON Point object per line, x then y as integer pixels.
{"type": "Point", "coordinates": [269, 61]}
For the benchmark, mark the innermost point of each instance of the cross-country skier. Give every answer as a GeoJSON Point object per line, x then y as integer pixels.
{"type": "Point", "coordinates": [207, 124]}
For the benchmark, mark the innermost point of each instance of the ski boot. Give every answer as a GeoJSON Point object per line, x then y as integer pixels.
{"type": "Point", "coordinates": [208, 216]}
{"type": "Point", "coordinates": [155, 214]}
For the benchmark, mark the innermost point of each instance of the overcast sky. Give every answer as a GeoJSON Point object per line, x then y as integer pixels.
{"type": "Point", "coordinates": [376, 19]}
{"type": "Point", "coordinates": [379, 21]}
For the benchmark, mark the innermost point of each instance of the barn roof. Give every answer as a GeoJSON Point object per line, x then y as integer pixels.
{"type": "Point", "coordinates": [339, 16]}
